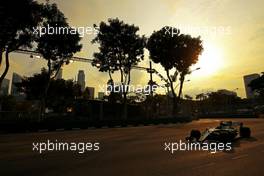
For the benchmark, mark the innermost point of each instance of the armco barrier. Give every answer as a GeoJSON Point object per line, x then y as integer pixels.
{"type": "Point", "coordinates": [69, 124]}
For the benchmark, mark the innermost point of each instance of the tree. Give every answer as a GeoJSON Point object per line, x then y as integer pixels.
{"type": "Point", "coordinates": [258, 85]}
{"type": "Point", "coordinates": [57, 47]}
{"type": "Point", "coordinates": [174, 51]}
{"type": "Point", "coordinates": [201, 96]}
{"type": "Point", "coordinates": [60, 94]}
{"type": "Point", "coordinates": [120, 48]}
{"type": "Point", "coordinates": [221, 101]}
{"type": "Point", "coordinates": [188, 97]}
{"type": "Point", "coordinates": [34, 86]}
{"type": "Point", "coordinates": [161, 46]}
{"type": "Point", "coordinates": [17, 22]}
{"type": "Point", "coordinates": [189, 52]}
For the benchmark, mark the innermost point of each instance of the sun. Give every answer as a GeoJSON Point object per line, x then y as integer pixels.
{"type": "Point", "coordinates": [210, 62]}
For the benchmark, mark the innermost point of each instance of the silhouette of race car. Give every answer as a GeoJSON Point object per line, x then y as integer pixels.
{"type": "Point", "coordinates": [227, 131]}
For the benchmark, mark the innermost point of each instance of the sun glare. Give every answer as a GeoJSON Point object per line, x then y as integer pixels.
{"type": "Point", "coordinates": [210, 61]}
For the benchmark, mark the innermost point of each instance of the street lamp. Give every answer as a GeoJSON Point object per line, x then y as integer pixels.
{"type": "Point", "coordinates": [198, 68]}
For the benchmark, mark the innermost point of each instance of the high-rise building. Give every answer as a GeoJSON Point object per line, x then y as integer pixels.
{"type": "Point", "coordinates": [59, 75]}
{"type": "Point", "coordinates": [91, 92]}
{"type": "Point", "coordinates": [15, 79]}
{"type": "Point", "coordinates": [101, 95]}
{"type": "Point", "coordinates": [247, 80]}
{"type": "Point", "coordinates": [4, 90]}
{"type": "Point", "coordinates": [81, 79]}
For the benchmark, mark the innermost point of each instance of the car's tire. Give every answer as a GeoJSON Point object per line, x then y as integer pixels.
{"type": "Point", "coordinates": [245, 132]}
{"type": "Point", "coordinates": [195, 134]}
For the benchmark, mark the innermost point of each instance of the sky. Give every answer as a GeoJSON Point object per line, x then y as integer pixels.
{"type": "Point", "coordinates": [232, 34]}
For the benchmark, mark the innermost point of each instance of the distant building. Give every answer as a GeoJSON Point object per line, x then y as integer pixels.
{"type": "Point", "coordinates": [59, 75]}
{"type": "Point", "coordinates": [14, 90]}
{"type": "Point", "coordinates": [81, 79]}
{"type": "Point", "coordinates": [4, 90]}
{"type": "Point", "coordinates": [247, 79]}
{"type": "Point", "coordinates": [15, 79]}
{"type": "Point", "coordinates": [101, 95]}
{"type": "Point", "coordinates": [227, 92]}
{"type": "Point", "coordinates": [91, 92]}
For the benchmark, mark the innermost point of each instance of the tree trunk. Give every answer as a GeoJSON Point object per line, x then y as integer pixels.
{"type": "Point", "coordinates": [6, 66]}
{"type": "Point", "coordinates": [110, 75]}
{"type": "Point", "coordinates": [45, 94]}
{"type": "Point", "coordinates": [56, 73]}
{"type": "Point", "coordinates": [174, 97]}
{"type": "Point", "coordinates": [1, 57]}
{"type": "Point", "coordinates": [125, 96]}
{"type": "Point", "coordinates": [181, 86]}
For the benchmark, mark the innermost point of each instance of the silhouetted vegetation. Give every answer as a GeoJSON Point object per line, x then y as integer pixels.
{"type": "Point", "coordinates": [174, 51]}
{"type": "Point", "coordinates": [17, 20]}
{"type": "Point", "coordinates": [219, 102]}
{"type": "Point", "coordinates": [56, 48]}
{"type": "Point", "coordinates": [61, 94]}
{"type": "Point", "coordinates": [120, 48]}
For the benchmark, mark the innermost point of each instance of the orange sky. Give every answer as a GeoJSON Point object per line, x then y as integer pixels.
{"type": "Point", "coordinates": [236, 49]}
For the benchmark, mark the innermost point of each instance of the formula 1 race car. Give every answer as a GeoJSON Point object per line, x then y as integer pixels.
{"type": "Point", "coordinates": [227, 131]}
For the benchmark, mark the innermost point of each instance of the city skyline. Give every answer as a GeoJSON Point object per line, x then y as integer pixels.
{"type": "Point", "coordinates": [223, 63]}
{"type": "Point", "coordinates": [122, 87]}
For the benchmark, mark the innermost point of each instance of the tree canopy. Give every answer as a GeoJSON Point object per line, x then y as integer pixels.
{"type": "Point", "coordinates": [120, 47]}
{"type": "Point", "coordinates": [56, 47]}
{"type": "Point", "coordinates": [17, 22]}
{"type": "Point", "coordinates": [174, 51]}
{"type": "Point", "coordinates": [60, 94]}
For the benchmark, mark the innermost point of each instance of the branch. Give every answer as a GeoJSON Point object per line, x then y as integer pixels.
{"type": "Point", "coordinates": [57, 71]}
{"type": "Point", "coordinates": [171, 83]}
{"type": "Point", "coordinates": [1, 57]}
{"type": "Point", "coordinates": [6, 68]}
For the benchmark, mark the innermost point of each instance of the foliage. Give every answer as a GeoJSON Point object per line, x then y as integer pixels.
{"type": "Point", "coordinates": [188, 97]}
{"type": "Point", "coordinates": [177, 51]}
{"type": "Point", "coordinates": [57, 48]}
{"type": "Point", "coordinates": [61, 93]}
{"type": "Point", "coordinates": [120, 48]}
{"type": "Point", "coordinates": [17, 22]}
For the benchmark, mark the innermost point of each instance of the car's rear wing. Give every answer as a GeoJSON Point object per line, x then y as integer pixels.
{"type": "Point", "coordinates": [230, 123]}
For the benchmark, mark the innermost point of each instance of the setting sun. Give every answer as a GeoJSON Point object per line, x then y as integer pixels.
{"type": "Point", "coordinates": [210, 61]}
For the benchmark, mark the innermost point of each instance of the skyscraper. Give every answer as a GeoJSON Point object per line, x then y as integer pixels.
{"type": "Point", "coordinates": [15, 79]}
{"type": "Point", "coordinates": [247, 80]}
{"type": "Point", "coordinates": [91, 92]}
{"type": "Point", "coordinates": [101, 95]}
{"type": "Point", "coordinates": [81, 79]}
{"type": "Point", "coordinates": [4, 90]}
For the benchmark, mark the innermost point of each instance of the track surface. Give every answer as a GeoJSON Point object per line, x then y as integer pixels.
{"type": "Point", "coordinates": [136, 151]}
